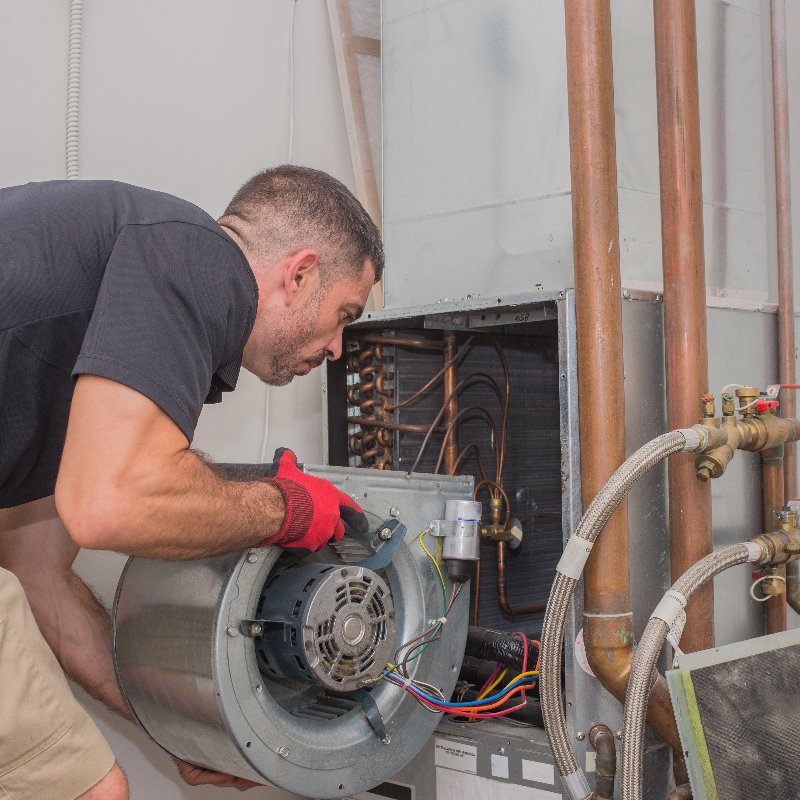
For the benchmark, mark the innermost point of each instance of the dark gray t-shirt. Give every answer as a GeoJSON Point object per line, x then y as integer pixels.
{"type": "Point", "coordinates": [102, 278]}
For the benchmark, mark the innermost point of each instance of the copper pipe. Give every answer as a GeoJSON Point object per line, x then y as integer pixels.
{"type": "Point", "coordinates": [601, 738]}
{"type": "Point", "coordinates": [449, 381]}
{"type": "Point", "coordinates": [783, 213]}
{"type": "Point", "coordinates": [392, 426]}
{"type": "Point", "coordinates": [451, 432]}
{"type": "Point", "coordinates": [463, 454]}
{"type": "Point", "coordinates": [422, 344]}
{"type": "Point", "coordinates": [608, 629]}
{"type": "Point", "coordinates": [424, 388]}
{"type": "Point", "coordinates": [772, 462]}
{"type": "Point", "coordinates": [506, 404]}
{"type": "Point", "coordinates": [683, 792]}
{"type": "Point", "coordinates": [502, 599]}
{"type": "Point", "coordinates": [685, 339]}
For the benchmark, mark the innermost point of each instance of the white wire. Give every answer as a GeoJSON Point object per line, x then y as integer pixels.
{"type": "Point", "coordinates": [292, 4]}
{"type": "Point", "coordinates": [74, 86]}
{"type": "Point", "coordinates": [289, 158]}
{"type": "Point", "coordinates": [739, 386]}
{"type": "Point", "coordinates": [764, 578]}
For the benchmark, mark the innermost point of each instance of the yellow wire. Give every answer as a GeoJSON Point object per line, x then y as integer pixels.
{"type": "Point", "coordinates": [435, 562]}
{"type": "Point", "coordinates": [529, 674]}
{"type": "Point", "coordinates": [488, 690]}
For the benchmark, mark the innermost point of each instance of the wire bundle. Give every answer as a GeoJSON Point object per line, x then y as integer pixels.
{"type": "Point", "coordinates": [431, 697]}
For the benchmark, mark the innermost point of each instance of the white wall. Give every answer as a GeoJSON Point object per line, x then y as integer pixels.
{"type": "Point", "coordinates": [189, 97]}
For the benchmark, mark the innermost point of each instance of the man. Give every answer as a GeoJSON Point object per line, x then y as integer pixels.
{"type": "Point", "coordinates": [122, 311]}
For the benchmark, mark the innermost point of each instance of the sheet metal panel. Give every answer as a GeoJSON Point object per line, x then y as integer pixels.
{"type": "Point", "coordinates": [476, 159]}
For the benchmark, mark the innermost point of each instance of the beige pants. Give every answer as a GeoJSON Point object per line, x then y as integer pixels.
{"type": "Point", "coordinates": [49, 747]}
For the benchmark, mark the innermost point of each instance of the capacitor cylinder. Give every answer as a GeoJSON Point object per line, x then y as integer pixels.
{"type": "Point", "coordinates": [462, 546]}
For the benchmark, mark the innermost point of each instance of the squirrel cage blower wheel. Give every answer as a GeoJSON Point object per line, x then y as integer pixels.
{"type": "Point", "coordinates": [266, 665]}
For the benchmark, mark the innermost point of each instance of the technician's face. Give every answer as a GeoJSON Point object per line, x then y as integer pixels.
{"type": "Point", "coordinates": [296, 339]}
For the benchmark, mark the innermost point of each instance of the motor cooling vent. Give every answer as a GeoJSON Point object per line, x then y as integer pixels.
{"type": "Point", "coordinates": [339, 630]}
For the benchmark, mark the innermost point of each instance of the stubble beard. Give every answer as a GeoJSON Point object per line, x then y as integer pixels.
{"type": "Point", "coordinates": [296, 330]}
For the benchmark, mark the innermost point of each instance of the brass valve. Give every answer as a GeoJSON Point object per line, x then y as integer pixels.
{"type": "Point", "coordinates": [773, 585]}
{"type": "Point", "coordinates": [500, 533]}
{"type": "Point", "coordinates": [757, 429]}
{"type": "Point", "coordinates": [778, 547]}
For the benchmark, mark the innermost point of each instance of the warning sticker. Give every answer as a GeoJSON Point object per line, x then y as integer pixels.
{"type": "Point", "coordinates": [456, 755]}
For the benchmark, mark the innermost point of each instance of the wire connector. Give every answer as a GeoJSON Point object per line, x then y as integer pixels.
{"type": "Point", "coordinates": [574, 558]}
{"type": "Point", "coordinates": [670, 608]}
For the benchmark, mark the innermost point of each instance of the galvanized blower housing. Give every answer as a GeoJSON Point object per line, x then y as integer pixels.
{"type": "Point", "coordinates": [262, 665]}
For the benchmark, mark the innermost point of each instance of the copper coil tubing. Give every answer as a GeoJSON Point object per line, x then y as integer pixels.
{"type": "Point", "coordinates": [399, 341]}
{"type": "Point", "coordinates": [369, 394]}
{"type": "Point", "coordinates": [393, 426]}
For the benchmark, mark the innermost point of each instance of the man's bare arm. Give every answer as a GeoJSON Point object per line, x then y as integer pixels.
{"type": "Point", "coordinates": [36, 548]}
{"type": "Point", "coordinates": [128, 482]}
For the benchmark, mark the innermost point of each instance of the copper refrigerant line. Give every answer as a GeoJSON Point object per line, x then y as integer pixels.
{"type": "Point", "coordinates": [372, 395]}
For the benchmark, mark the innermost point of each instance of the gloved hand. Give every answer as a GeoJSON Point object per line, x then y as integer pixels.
{"type": "Point", "coordinates": [315, 509]}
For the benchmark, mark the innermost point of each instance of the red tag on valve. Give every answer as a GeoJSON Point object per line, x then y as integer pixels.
{"type": "Point", "coordinates": [767, 405]}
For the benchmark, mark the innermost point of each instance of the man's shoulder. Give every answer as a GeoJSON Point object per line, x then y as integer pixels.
{"type": "Point", "coordinates": [125, 203]}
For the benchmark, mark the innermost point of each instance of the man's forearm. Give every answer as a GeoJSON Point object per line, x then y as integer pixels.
{"type": "Point", "coordinates": [37, 549]}
{"type": "Point", "coordinates": [80, 636]}
{"type": "Point", "coordinates": [180, 509]}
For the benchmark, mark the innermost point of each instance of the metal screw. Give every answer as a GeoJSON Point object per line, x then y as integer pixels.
{"type": "Point", "coordinates": [626, 294]}
{"type": "Point", "coordinates": [580, 736]}
{"type": "Point", "coordinates": [386, 740]}
{"type": "Point", "coordinates": [259, 688]}
{"type": "Point", "coordinates": [252, 557]}
{"type": "Point", "coordinates": [619, 735]}
{"type": "Point", "coordinates": [384, 534]}
{"type": "Point", "coordinates": [659, 298]}
{"type": "Point", "coordinates": [232, 631]}
{"type": "Point", "coordinates": [394, 511]}
{"type": "Point", "coordinates": [501, 751]}
{"type": "Point", "coordinates": [256, 629]}
{"type": "Point", "coordinates": [283, 752]}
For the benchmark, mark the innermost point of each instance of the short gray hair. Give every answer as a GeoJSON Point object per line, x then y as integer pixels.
{"type": "Point", "coordinates": [288, 208]}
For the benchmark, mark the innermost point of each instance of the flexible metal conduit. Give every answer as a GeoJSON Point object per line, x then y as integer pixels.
{"type": "Point", "coordinates": [568, 573]}
{"type": "Point", "coordinates": [649, 648]}
{"type": "Point", "coordinates": [74, 85]}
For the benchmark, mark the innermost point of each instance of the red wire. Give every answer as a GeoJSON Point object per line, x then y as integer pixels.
{"type": "Point", "coordinates": [489, 681]}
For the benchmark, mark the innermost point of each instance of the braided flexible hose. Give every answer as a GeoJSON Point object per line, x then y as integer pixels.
{"type": "Point", "coordinates": [644, 664]}
{"type": "Point", "coordinates": [593, 521]}
{"type": "Point", "coordinates": [74, 85]}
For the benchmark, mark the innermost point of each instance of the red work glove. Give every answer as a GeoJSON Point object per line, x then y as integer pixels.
{"type": "Point", "coordinates": [315, 509]}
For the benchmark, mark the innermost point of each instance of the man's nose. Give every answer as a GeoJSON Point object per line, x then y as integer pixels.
{"type": "Point", "coordinates": [333, 349]}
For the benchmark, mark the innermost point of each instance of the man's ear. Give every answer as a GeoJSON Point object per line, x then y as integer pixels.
{"type": "Point", "coordinates": [300, 276]}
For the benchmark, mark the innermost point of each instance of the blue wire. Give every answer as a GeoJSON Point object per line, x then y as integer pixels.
{"type": "Point", "coordinates": [482, 702]}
